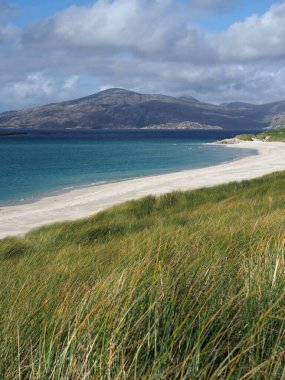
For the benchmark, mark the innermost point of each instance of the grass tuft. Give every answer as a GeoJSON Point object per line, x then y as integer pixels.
{"type": "Point", "coordinates": [11, 248]}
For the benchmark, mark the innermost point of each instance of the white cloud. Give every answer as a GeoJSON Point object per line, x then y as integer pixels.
{"type": "Point", "coordinates": [38, 88]}
{"type": "Point", "coordinates": [7, 12]}
{"type": "Point", "coordinates": [71, 82]}
{"type": "Point", "coordinates": [257, 38]}
{"type": "Point", "coordinates": [141, 27]}
{"type": "Point", "coordinates": [147, 46]}
{"type": "Point", "coordinates": [158, 30]}
{"type": "Point", "coordinates": [8, 32]}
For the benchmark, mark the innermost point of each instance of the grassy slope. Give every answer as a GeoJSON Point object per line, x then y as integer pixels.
{"type": "Point", "coordinates": [275, 135]}
{"type": "Point", "coordinates": [188, 285]}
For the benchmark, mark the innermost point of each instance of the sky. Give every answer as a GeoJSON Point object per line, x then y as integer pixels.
{"type": "Point", "coordinates": [215, 50]}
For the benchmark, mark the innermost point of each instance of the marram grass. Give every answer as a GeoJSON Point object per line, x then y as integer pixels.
{"type": "Point", "coordinates": [185, 286]}
{"type": "Point", "coordinates": [277, 135]}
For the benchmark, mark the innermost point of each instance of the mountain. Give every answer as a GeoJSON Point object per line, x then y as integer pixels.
{"type": "Point", "coordinates": [238, 105]}
{"type": "Point", "coordinates": [119, 108]}
{"type": "Point", "coordinates": [190, 99]}
{"type": "Point", "coordinates": [278, 121]}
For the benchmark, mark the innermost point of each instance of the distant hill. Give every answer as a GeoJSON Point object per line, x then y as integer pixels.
{"type": "Point", "coordinates": [278, 121]}
{"type": "Point", "coordinates": [189, 99]}
{"type": "Point", "coordinates": [119, 108]}
{"type": "Point", "coordinates": [238, 105]}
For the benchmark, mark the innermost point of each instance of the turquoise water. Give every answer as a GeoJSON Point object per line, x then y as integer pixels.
{"type": "Point", "coordinates": [39, 164]}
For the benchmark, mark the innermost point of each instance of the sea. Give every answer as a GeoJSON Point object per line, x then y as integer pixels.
{"type": "Point", "coordinates": [47, 162]}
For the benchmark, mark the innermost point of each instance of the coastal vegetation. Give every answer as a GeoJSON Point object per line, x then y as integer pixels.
{"type": "Point", "coordinates": [268, 135]}
{"type": "Point", "coordinates": [189, 285]}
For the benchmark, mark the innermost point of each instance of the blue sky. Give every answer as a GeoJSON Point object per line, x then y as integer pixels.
{"type": "Point", "coordinates": [243, 9]}
{"type": "Point", "coordinates": [31, 10]}
{"type": "Point", "coordinates": [215, 50]}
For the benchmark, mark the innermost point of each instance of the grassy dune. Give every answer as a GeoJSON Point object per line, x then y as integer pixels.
{"type": "Point", "coordinates": [185, 286]}
{"type": "Point", "coordinates": [271, 135]}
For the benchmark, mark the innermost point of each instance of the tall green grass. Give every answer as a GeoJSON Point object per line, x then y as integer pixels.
{"type": "Point", "coordinates": [185, 286]}
{"type": "Point", "coordinates": [270, 135]}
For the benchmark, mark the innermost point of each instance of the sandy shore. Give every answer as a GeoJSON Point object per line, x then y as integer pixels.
{"type": "Point", "coordinates": [19, 219]}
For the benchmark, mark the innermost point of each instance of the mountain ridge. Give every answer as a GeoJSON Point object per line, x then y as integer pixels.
{"type": "Point", "coordinates": [118, 108]}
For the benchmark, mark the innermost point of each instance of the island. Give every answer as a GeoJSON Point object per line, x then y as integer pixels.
{"type": "Point", "coordinates": [9, 134]}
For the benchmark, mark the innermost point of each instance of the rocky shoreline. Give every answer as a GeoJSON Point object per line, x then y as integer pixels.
{"type": "Point", "coordinates": [229, 141]}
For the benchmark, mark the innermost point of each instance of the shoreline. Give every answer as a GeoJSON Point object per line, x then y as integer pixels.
{"type": "Point", "coordinates": [86, 201]}
{"type": "Point", "coordinates": [64, 190]}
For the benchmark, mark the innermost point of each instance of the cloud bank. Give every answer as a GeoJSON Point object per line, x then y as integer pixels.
{"type": "Point", "coordinates": [143, 45]}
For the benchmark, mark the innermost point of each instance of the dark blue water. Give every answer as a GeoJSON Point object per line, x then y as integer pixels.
{"type": "Point", "coordinates": [42, 162]}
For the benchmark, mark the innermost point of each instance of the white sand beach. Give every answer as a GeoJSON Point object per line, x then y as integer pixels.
{"type": "Point", "coordinates": [80, 203]}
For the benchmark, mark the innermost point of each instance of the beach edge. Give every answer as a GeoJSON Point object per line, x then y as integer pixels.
{"type": "Point", "coordinates": [87, 201]}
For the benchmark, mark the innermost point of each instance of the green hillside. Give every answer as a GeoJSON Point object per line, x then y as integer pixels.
{"type": "Point", "coordinates": [269, 135]}
{"type": "Point", "coordinates": [185, 286]}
